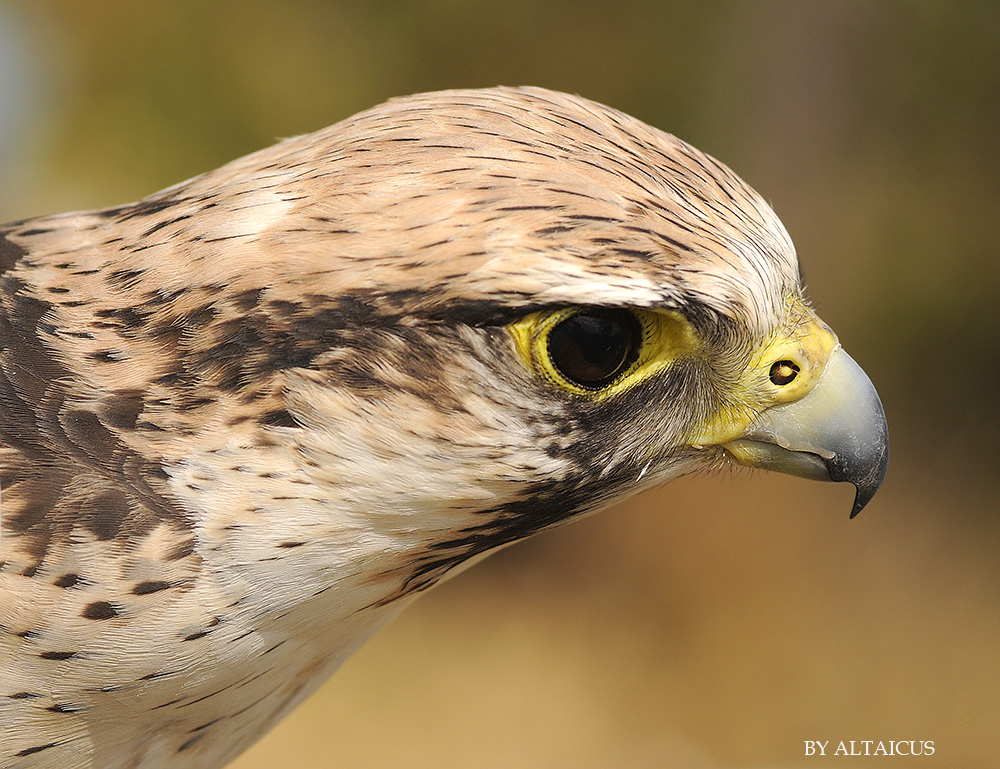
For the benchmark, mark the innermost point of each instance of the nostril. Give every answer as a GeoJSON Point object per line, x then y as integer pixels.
{"type": "Point", "coordinates": [783, 372]}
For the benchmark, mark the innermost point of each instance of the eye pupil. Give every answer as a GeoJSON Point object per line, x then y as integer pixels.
{"type": "Point", "coordinates": [783, 372]}
{"type": "Point", "coordinates": [592, 347]}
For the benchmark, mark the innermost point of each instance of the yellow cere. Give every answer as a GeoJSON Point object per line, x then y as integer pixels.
{"type": "Point", "coordinates": [805, 342]}
{"type": "Point", "coordinates": [666, 336]}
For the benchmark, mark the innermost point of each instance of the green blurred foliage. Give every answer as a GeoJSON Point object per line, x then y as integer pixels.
{"type": "Point", "coordinates": [873, 129]}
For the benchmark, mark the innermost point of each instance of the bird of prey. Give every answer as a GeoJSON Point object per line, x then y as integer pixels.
{"type": "Point", "coordinates": [247, 419]}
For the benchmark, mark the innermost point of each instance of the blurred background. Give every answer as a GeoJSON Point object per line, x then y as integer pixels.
{"type": "Point", "coordinates": [720, 621]}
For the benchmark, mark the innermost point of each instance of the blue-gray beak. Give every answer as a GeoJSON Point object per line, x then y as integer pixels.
{"type": "Point", "coordinates": [837, 432]}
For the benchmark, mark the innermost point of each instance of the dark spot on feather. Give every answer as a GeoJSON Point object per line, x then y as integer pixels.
{"type": "Point", "coordinates": [125, 279]}
{"type": "Point", "coordinates": [193, 403]}
{"type": "Point", "coordinates": [263, 440]}
{"type": "Point", "coordinates": [131, 317]}
{"type": "Point", "coordinates": [190, 742]}
{"type": "Point", "coordinates": [29, 571]}
{"type": "Point", "coordinates": [170, 379]}
{"type": "Point", "coordinates": [62, 708]}
{"type": "Point", "coordinates": [646, 256]}
{"type": "Point", "coordinates": [226, 362]}
{"type": "Point", "coordinates": [150, 586]}
{"type": "Point", "coordinates": [128, 317]}
{"type": "Point", "coordinates": [200, 316]}
{"type": "Point", "coordinates": [248, 300]}
{"type": "Point", "coordinates": [99, 610]}
{"type": "Point", "coordinates": [106, 513]}
{"type": "Point", "coordinates": [162, 297]}
{"type": "Point", "coordinates": [279, 418]}
{"type": "Point", "coordinates": [167, 704]}
{"type": "Point", "coordinates": [57, 655]}
{"type": "Point", "coordinates": [271, 649]}
{"type": "Point", "coordinates": [67, 580]}
{"type": "Point", "coordinates": [25, 696]}
{"type": "Point", "coordinates": [35, 749]}
{"type": "Point", "coordinates": [121, 409]}
{"type": "Point", "coordinates": [554, 230]}
{"type": "Point", "coordinates": [107, 688]}
{"type": "Point", "coordinates": [196, 636]}
{"type": "Point", "coordinates": [284, 309]}
{"type": "Point", "coordinates": [36, 231]}
{"type": "Point", "coordinates": [158, 674]}
{"type": "Point", "coordinates": [165, 223]}
{"type": "Point", "coordinates": [146, 207]}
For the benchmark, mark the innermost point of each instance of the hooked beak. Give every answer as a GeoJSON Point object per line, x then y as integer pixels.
{"type": "Point", "coordinates": [837, 432]}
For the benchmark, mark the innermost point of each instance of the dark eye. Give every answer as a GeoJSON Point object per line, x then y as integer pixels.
{"type": "Point", "coordinates": [783, 372]}
{"type": "Point", "coordinates": [594, 346]}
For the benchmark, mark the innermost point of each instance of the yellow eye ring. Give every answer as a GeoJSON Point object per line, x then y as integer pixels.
{"type": "Point", "coordinates": [597, 352]}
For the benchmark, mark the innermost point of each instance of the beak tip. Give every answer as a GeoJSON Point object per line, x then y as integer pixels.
{"type": "Point", "coordinates": [865, 489]}
{"type": "Point", "coordinates": [860, 501]}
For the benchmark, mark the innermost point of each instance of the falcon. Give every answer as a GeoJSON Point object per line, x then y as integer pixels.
{"type": "Point", "coordinates": [246, 420]}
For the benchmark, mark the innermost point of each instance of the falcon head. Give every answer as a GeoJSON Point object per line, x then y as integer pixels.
{"type": "Point", "coordinates": [454, 319]}
{"type": "Point", "coordinates": [272, 400]}
{"type": "Point", "coordinates": [514, 306]}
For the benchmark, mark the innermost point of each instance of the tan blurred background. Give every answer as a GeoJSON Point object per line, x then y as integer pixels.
{"type": "Point", "coordinates": [722, 621]}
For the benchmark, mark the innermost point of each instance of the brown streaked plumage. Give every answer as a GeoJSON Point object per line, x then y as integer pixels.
{"type": "Point", "coordinates": [244, 420]}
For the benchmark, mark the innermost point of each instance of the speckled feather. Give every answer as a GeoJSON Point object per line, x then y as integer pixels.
{"type": "Point", "coordinates": [243, 420]}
